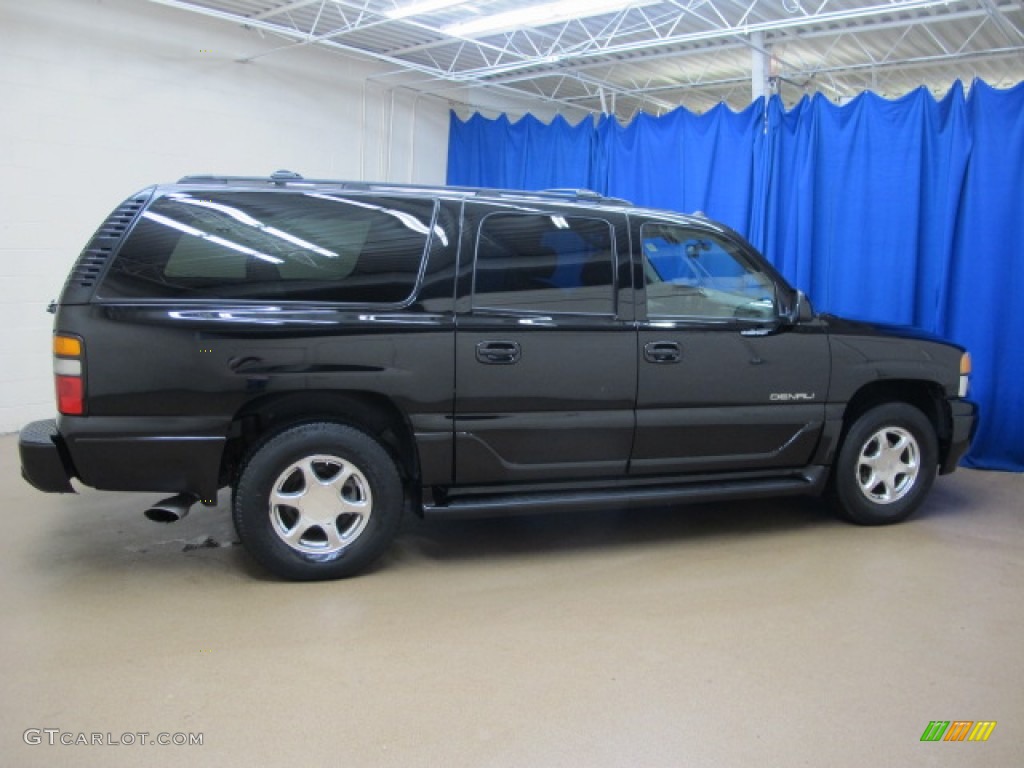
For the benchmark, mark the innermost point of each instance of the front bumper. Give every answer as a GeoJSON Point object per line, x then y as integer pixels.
{"type": "Point", "coordinates": [44, 460]}
{"type": "Point", "coordinates": [964, 422]}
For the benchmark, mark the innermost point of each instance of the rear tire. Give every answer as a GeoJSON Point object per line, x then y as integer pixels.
{"type": "Point", "coordinates": [886, 465]}
{"type": "Point", "coordinates": [318, 501]}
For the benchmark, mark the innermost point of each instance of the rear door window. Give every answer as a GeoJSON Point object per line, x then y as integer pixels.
{"type": "Point", "coordinates": [262, 245]}
{"type": "Point", "coordinates": [545, 263]}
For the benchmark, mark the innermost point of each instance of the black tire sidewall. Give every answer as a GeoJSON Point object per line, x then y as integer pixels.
{"type": "Point", "coordinates": [266, 462]}
{"type": "Point", "coordinates": [847, 495]}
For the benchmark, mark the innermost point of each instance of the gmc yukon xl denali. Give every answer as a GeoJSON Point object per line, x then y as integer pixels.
{"type": "Point", "coordinates": [336, 353]}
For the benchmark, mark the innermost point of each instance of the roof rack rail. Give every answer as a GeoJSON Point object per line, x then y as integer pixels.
{"type": "Point", "coordinates": [586, 194]}
{"type": "Point", "coordinates": [283, 177]}
{"type": "Point", "coordinates": [277, 177]}
{"type": "Point", "coordinates": [568, 192]}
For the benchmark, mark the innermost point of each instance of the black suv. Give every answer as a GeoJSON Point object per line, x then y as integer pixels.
{"type": "Point", "coordinates": [335, 352]}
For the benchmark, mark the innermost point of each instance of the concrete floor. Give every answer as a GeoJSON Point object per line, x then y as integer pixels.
{"type": "Point", "coordinates": [756, 634]}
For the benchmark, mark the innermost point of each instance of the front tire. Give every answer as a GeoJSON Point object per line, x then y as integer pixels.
{"type": "Point", "coordinates": [886, 465]}
{"type": "Point", "coordinates": [318, 501]}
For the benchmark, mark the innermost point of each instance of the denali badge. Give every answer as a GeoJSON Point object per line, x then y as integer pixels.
{"type": "Point", "coordinates": [785, 396]}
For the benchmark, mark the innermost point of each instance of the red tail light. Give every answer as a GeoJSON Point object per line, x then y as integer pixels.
{"type": "Point", "coordinates": [69, 374]}
{"type": "Point", "coordinates": [70, 395]}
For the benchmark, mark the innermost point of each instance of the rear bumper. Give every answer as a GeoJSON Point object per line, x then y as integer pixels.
{"type": "Point", "coordinates": [171, 454]}
{"type": "Point", "coordinates": [44, 460]}
{"type": "Point", "coordinates": [964, 415]}
{"type": "Point", "coordinates": [167, 454]}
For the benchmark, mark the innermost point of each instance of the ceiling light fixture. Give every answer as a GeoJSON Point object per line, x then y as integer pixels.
{"type": "Point", "coordinates": [538, 16]}
{"type": "Point", "coordinates": [421, 7]}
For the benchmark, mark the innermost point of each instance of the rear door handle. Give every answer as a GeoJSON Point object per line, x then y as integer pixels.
{"type": "Point", "coordinates": [662, 352]}
{"type": "Point", "coordinates": [498, 352]}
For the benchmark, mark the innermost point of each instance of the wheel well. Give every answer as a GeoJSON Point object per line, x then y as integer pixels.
{"type": "Point", "coordinates": [927, 397]}
{"type": "Point", "coordinates": [374, 414]}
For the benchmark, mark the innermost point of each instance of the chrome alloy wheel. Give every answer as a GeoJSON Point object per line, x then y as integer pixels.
{"type": "Point", "coordinates": [888, 465]}
{"type": "Point", "coordinates": [320, 505]}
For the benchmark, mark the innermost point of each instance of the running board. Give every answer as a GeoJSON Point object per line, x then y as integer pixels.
{"type": "Point", "coordinates": [810, 481]}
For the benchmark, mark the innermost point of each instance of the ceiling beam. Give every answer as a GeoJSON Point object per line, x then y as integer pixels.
{"type": "Point", "coordinates": [916, 62]}
{"type": "Point", "coordinates": [286, 8]}
{"type": "Point", "coordinates": [793, 35]}
{"type": "Point", "coordinates": [717, 33]}
{"type": "Point", "coordinates": [618, 58]}
{"type": "Point", "coordinates": [1008, 28]}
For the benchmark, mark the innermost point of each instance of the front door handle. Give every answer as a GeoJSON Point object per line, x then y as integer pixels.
{"type": "Point", "coordinates": [498, 352]}
{"type": "Point", "coordinates": [662, 352]}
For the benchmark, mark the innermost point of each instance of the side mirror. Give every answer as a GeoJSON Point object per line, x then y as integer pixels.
{"type": "Point", "coordinates": [802, 310]}
{"type": "Point", "coordinates": [767, 315]}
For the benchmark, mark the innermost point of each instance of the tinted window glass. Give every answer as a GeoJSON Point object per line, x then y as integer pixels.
{"type": "Point", "coordinates": [689, 273]}
{"type": "Point", "coordinates": [278, 246]}
{"type": "Point", "coordinates": [544, 263]}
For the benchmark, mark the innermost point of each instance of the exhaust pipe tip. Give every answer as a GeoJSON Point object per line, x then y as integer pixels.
{"type": "Point", "coordinates": [161, 514]}
{"type": "Point", "coordinates": [171, 509]}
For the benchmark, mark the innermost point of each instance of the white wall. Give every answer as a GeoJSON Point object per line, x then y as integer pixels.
{"type": "Point", "coordinates": [99, 98]}
{"type": "Point", "coordinates": [492, 103]}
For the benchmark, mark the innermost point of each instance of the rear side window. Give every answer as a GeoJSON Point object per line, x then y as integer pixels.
{"type": "Point", "coordinates": [544, 263]}
{"type": "Point", "coordinates": [276, 246]}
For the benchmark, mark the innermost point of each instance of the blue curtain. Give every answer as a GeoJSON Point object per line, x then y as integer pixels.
{"type": "Point", "coordinates": [704, 162]}
{"type": "Point", "coordinates": [984, 308]}
{"type": "Point", "coordinates": [527, 154]}
{"type": "Point", "coordinates": [908, 211]}
{"type": "Point", "coordinates": [865, 202]}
